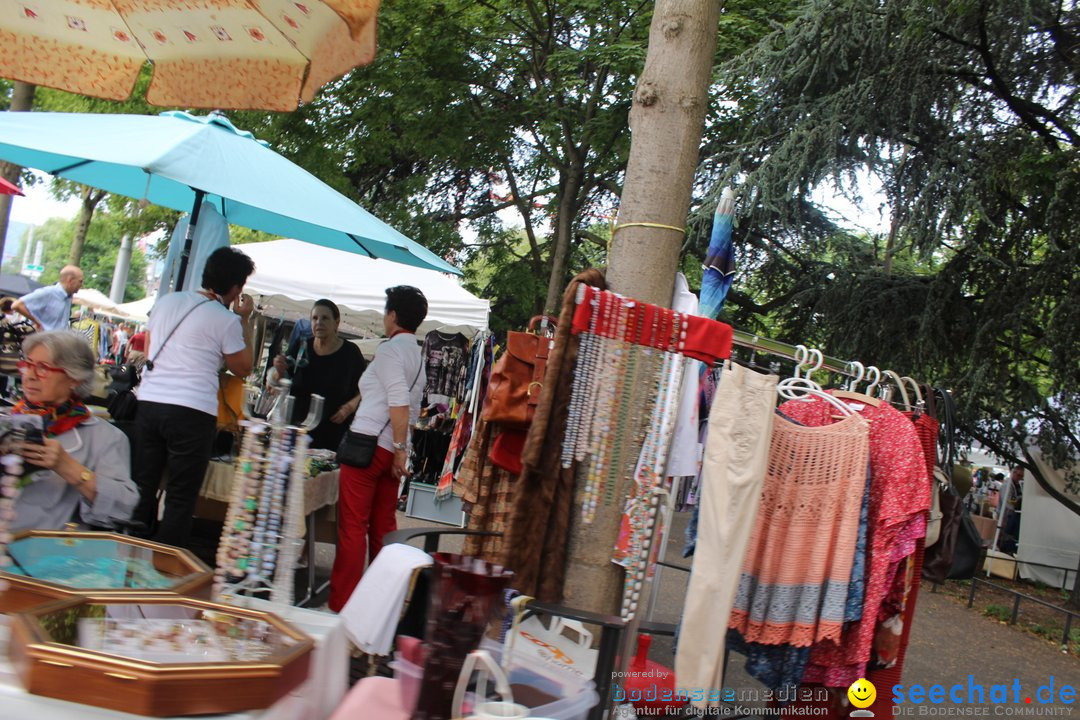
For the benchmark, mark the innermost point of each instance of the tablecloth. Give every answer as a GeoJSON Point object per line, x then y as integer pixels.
{"type": "Point", "coordinates": [319, 491]}
{"type": "Point", "coordinates": [316, 699]}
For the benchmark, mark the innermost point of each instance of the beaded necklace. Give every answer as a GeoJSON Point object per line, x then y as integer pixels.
{"type": "Point", "coordinates": [9, 491]}
{"type": "Point", "coordinates": [258, 549]}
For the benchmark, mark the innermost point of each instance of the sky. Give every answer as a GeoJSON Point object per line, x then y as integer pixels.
{"type": "Point", "coordinates": [38, 206]}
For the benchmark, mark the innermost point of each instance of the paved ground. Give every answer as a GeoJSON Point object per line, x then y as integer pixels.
{"type": "Point", "coordinates": [949, 642]}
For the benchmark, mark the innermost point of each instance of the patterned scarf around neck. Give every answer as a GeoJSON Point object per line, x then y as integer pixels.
{"type": "Point", "coordinates": [58, 418]}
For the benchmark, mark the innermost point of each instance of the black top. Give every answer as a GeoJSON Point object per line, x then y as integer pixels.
{"type": "Point", "coordinates": [336, 377]}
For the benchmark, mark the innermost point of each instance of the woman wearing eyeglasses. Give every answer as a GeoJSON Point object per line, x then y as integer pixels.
{"type": "Point", "coordinates": [83, 464]}
{"type": "Point", "coordinates": [325, 365]}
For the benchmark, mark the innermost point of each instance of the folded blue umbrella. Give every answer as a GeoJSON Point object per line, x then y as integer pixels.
{"type": "Point", "coordinates": [719, 262]}
{"type": "Point", "coordinates": [177, 160]}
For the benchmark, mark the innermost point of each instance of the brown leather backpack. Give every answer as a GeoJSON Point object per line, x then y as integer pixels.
{"type": "Point", "coordinates": [517, 377]}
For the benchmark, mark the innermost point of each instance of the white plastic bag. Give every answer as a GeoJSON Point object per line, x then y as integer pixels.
{"type": "Point", "coordinates": [564, 646]}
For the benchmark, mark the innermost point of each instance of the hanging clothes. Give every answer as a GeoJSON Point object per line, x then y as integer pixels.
{"type": "Point", "coordinates": [684, 458]}
{"type": "Point", "coordinates": [487, 488]}
{"type": "Point", "coordinates": [211, 233]}
{"type": "Point", "coordinates": [734, 468]}
{"type": "Point", "coordinates": [796, 574]}
{"type": "Point", "coordinates": [446, 357]}
{"type": "Point", "coordinates": [926, 428]}
{"type": "Point", "coordinates": [536, 545]}
{"type": "Point", "coordinates": [781, 667]}
{"type": "Point", "coordinates": [481, 357]}
{"type": "Point", "coordinates": [899, 494]}
{"type": "Point", "coordinates": [91, 330]}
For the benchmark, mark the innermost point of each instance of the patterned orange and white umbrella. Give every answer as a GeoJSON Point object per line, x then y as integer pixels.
{"type": "Point", "coordinates": [225, 54]}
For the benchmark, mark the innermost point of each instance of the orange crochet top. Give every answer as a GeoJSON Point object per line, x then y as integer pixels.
{"type": "Point", "coordinates": [797, 570]}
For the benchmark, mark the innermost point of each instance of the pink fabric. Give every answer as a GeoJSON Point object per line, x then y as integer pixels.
{"type": "Point", "coordinates": [899, 491]}
{"type": "Point", "coordinates": [373, 698]}
{"type": "Point", "coordinates": [367, 507]}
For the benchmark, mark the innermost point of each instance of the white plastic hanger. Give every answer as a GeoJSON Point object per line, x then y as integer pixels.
{"type": "Point", "coordinates": [851, 391]}
{"type": "Point", "coordinates": [798, 387]}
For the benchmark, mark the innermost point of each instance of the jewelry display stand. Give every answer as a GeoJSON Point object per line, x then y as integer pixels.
{"type": "Point", "coordinates": [627, 345]}
{"type": "Point", "coordinates": [158, 656]}
{"type": "Point", "coordinates": [47, 565]}
{"type": "Point", "coordinates": [261, 539]}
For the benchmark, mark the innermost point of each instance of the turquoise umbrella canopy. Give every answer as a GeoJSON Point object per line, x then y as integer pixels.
{"type": "Point", "coordinates": [176, 160]}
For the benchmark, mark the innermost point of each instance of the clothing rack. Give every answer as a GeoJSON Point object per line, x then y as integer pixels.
{"type": "Point", "coordinates": [781, 349]}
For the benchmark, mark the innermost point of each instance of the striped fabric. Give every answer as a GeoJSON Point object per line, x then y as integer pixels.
{"type": "Point", "coordinates": [798, 567]}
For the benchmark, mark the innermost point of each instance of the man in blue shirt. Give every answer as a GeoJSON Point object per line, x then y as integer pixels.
{"type": "Point", "coordinates": [49, 308]}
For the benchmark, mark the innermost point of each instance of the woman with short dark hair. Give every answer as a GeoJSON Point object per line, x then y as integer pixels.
{"type": "Point", "coordinates": [390, 392]}
{"type": "Point", "coordinates": [325, 364]}
{"type": "Point", "coordinates": [83, 464]}
{"type": "Point", "coordinates": [189, 336]}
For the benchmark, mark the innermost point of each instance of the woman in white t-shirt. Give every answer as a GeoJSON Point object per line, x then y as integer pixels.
{"type": "Point", "coordinates": [189, 335]}
{"type": "Point", "coordinates": [389, 404]}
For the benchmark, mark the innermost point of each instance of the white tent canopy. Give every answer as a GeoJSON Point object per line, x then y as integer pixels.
{"type": "Point", "coordinates": [138, 310]}
{"type": "Point", "coordinates": [290, 275]}
{"type": "Point", "coordinates": [1048, 529]}
{"type": "Point", "coordinates": [94, 299]}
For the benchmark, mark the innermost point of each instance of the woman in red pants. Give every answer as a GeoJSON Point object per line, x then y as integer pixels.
{"type": "Point", "coordinates": [389, 403]}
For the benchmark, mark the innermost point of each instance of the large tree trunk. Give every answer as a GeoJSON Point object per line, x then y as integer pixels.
{"type": "Point", "coordinates": [570, 186]}
{"type": "Point", "coordinates": [90, 200]}
{"type": "Point", "coordinates": [667, 120]}
{"type": "Point", "coordinates": [22, 99]}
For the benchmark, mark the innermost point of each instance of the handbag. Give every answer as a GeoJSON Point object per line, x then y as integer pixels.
{"type": "Point", "coordinates": [968, 549]}
{"type": "Point", "coordinates": [518, 376]}
{"type": "Point", "coordinates": [230, 402]}
{"type": "Point", "coordinates": [954, 527]}
{"type": "Point", "coordinates": [933, 522]}
{"type": "Point", "coordinates": [358, 449]}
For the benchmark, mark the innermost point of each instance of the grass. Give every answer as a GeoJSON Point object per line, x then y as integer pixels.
{"type": "Point", "coordinates": [1042, 622]}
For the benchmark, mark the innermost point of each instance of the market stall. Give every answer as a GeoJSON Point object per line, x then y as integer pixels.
{"type": "Point", "coordinates": [290, 275]}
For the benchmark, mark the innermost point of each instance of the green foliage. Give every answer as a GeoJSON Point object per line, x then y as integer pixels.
{"type": "Point", "coordinates": [99, 254]}
{"type": "Point", "coordinates": [967, 115]}
{"type": "Point", "coordinates": [495, 269]}
{"type": "Point", "coordinates": [998, 612]}
{"type": "Point", "coordinates": [242, 235]}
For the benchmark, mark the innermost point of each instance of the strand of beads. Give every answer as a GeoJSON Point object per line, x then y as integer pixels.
{"type": "Point", "coordinates": [634, 579]}
{"type": "Point", "coordinates": [621, 394]}
{"type": "Point", "coordinates": [267, 533]}
{"type": "Point", "coordinates": [234, 550]}
{"type": "Point", "coordinates": [597, 418]}
{"type": "Point", "coordinates": [574, 416]}
{"type": "Point", "coordinates": [609, 376]}
{"type": "Point", "coordinates": [588, 366]}
{"type": "Point", "coordinates": [9, 491]}
{"type": "Point", "coordinates": [282, 591]}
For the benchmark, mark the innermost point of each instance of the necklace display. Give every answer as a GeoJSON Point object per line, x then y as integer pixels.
{"type": "Point", "coordinates": [625, 346]}
{"type": "Point", "coordinates": [260, 541]}
{"type": "Point", "coordinates": [9, 490]}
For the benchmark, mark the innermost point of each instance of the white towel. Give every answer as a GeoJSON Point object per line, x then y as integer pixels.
{"type": "Point", "coordinates": [372, 612]}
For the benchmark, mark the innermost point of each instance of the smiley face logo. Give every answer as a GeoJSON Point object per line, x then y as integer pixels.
{"type": "Point", "coordinates": [862, 693]}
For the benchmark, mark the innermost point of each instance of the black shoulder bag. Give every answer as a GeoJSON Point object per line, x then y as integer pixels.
{"type": "Point", "coordinates": [357, 449]}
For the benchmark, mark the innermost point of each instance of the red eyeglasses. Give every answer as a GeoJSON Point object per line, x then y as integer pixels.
{"type": "Point", "coordinates": [40, 370]}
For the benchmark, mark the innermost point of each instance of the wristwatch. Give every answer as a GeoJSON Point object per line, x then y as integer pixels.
{"type": "Point", "coordinates": [85, 476]}
{"type": "Point", "coordinates": [400, 446]}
